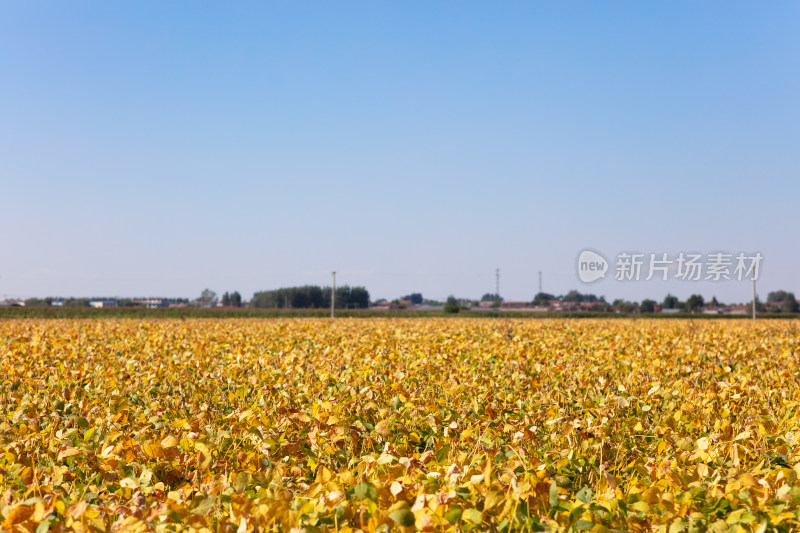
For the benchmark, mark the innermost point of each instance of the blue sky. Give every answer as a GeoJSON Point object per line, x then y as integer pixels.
{"type": "Point", "coordinates": [158, 148]}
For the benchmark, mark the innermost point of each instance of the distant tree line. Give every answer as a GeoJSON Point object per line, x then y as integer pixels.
{"type": "Point", "coordinates": [233, 299]}
{"type": "Point", "coordinates": [777, 302]}
{"type": "Point", "coordinates": [313, 296]}
{"type": "Point", "coordinates": [85, 302]}
{"type": "Point", "coordinates": [310, 297]}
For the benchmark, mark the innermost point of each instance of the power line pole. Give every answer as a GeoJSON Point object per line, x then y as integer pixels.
{"type": "Point", "coordinates": [497, 283]}
{"type": "Point", "coordinates": [333, 294]}
{"type": "Point", "coordinates": [540, 281]}
{"type": "Point", "coordinates": [754, 298]}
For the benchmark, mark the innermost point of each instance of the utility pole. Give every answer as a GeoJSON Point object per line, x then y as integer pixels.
{"type": "Point", "coordinates": [754, 298]}
{"type": "Point", "coordinates": [333, 295]}
{"type": "Point", "coordinates": [540, 281]}
{"type": "Point", "coordinates": [497, 283]}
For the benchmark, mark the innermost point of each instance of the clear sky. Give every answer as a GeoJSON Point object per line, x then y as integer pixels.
{"type": "Point", "coordinates": [158, 148]}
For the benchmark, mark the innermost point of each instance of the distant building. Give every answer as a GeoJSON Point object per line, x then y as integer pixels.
{"type": "Point", "coordinates": [152, 303]}
{"type": "Point", "coordinates": [103, 303]}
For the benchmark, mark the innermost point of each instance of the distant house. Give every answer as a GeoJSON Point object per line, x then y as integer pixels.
{"type": "Point", "coordinates": [103, 303]}
{"type": "Point", "coordinates": [152, 303]}
{"type": "Point", "coordinates": [669, 311]}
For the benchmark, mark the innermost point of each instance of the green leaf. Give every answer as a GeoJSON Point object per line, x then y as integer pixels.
{"type": "Point", "coordinates": [442, 453]}
{"type": "Point", "coordinates": [564, 482]}
{"type": "Point", "coordinates": [242, 479]}
{"type": "Point", "coordinates": [677, 526]}
{"type": "Point", "coordinates": [553, 494]}
{"type": "Point", "coordinates": [473, 515]}
{"type": "Point", "coordinates": [583, 525]}
{"type": "Point", "coordinates": [453, 514]}
{"type": "Point", "coordinates": [89, 434]}
{"type": "Point", "coordinates": [462, 492]}
{"type": "Point", "coordinates": [584, 495]}
{"type": "Point", "coordinates": [204, 505]}
{"type": "Point", "coordinates": [402, 517]}
{"type": "Point", "coordinates": [366, 490]}
{"type": "Point", "coordinates": [44, 525]}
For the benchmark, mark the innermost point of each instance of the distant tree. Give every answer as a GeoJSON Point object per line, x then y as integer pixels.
{"type": "Point", "coordinates": [694, 303]}
{"type": "Point", "coordinates": [778, 296]}
{"type": "Point", "coordinates": [415, 298]}
{"type": "Point", "coordinates": [789, 304]}
{"type": "Point", "coordinates": [35, 302]}
{"type": "Point", "coordinates": [233, 299]}
{"type": "Point", "coordinates": [452, 305]}
{"type": "Point", "coordinates": [236, 299]}
{"type": "Point", "coordinates": [312, 296]}
{"type": "Point", "coordinates": [351, 297]}
{"type": "Point", "coordinates": [542, 298]}
{"type": "Point", "coordinates": [573, 296]}
{"type": "Point", "coordinates": [208, 297]}
{"type": "Point", "coordinates": [787, 301]}
{"type": "Point", "coordinates": [647, 306]}
{"type": "Point", "coordinates": [491, 297]}
{"type": "Point", "coordinates": [714, 302]}
{"type": "Point", "coordinates": [670, 302]}
{"type": "Point", "coordinates": [600, 307]}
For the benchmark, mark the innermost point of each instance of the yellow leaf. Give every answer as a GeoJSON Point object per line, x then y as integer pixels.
{"type": "Point", "coordinates": [169, 442]}
{"type": "Point", "coordinates": [69, 451]}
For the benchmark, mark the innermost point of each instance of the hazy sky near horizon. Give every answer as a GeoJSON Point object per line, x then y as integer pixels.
{"type": "Point", "coordinates": [158, 148]}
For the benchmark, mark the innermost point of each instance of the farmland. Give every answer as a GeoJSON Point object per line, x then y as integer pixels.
{"type": "Point", "coordinates": [381, 424]}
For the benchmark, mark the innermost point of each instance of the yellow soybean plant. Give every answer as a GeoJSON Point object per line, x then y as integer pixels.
{"type": "Point", "coordinates": [445, 424]}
